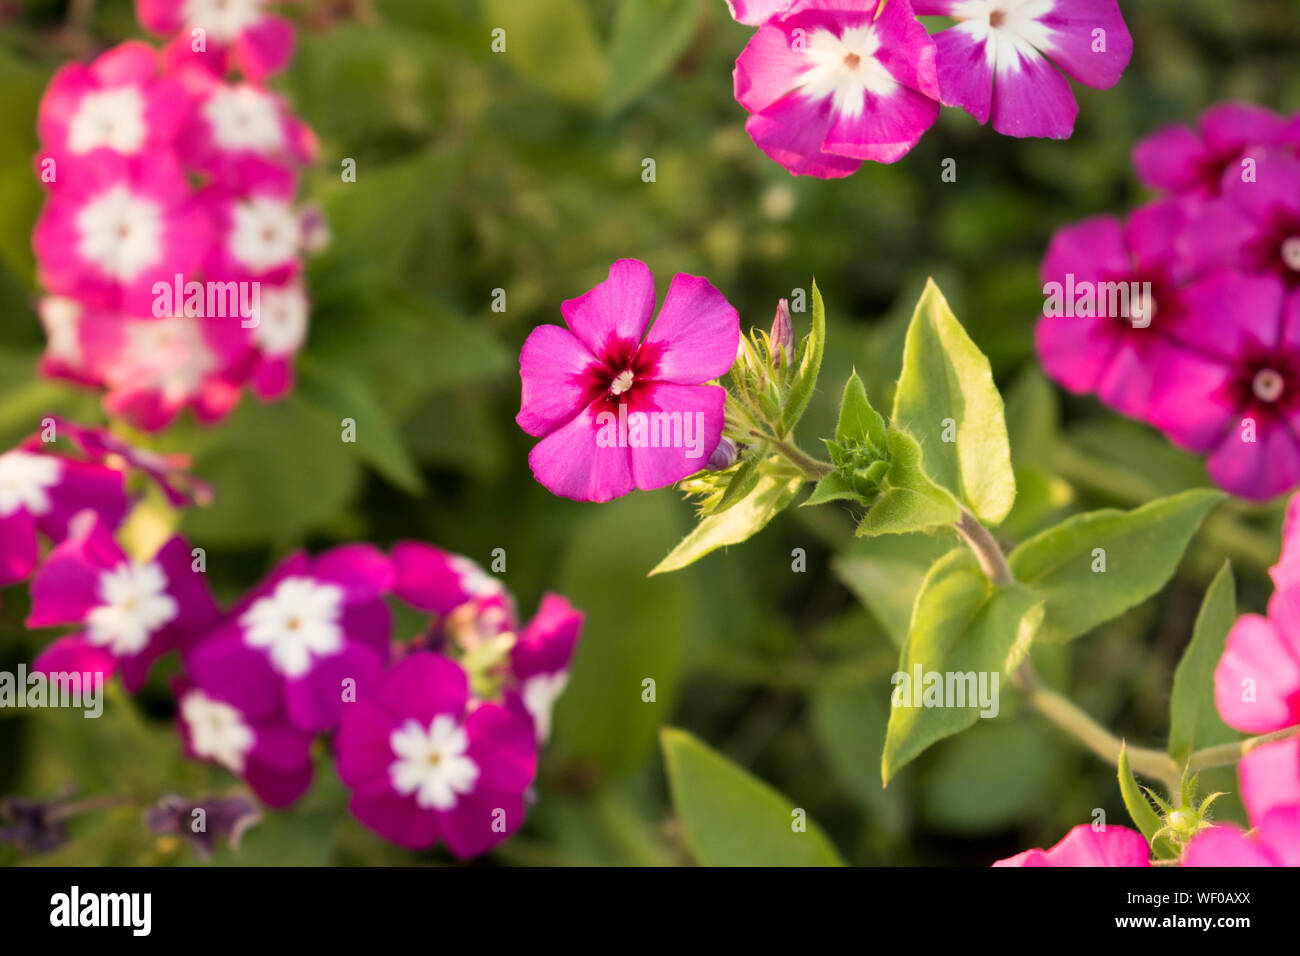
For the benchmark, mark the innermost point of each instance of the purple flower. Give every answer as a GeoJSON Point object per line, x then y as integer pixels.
{"type": "Point", "coordinates": [134, 610]}
{"type": "Point", "coordinates": [998, 60]}
{"type": "Point", "coordinates": [539, 662]}
{"type": "Point", "coordinates": [40, 492]}
{"type": "Point", "coordinates": [468, 605]}
{"type": "Point", "coordinates": [228, 817]}
{"type": "Point", "coordinates": [618, 407]}
{"type": "Point", "coordinates": [830, 84]}
{"type": "Point", "coordinates": [237, 33]}
{"type": "Point", "coordinates": [272, 756]}
{"type": "Point", "coordinates": [425, 763]}
{"type": "Point", "coordinates": [311, 637]}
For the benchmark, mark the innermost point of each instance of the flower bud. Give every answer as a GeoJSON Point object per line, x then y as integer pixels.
{"type": "Point", "coordinates": [723, 457]}
{"type": "Point", "coordinates": [782, 334]}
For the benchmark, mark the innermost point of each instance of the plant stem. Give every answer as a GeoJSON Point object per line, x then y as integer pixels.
{"type": "Point", "coordinates": [986, 549]}
{"type": "Point", "coordinates": [812, 468]}
{"type": "Point", "coordinates": [1226, 754]}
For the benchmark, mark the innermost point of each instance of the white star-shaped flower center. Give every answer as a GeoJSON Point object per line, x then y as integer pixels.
{"type": "Point", "coordinates": [217, 731]}
{"type": "Point", "coordinates": [281, 320]}
{"type": "Point", "coordinates": [265, 234]}
{"type": "Point", "coordinates": [243, 117]}
{"type": "Point", "coordinates": [301, 618]}
{"type": "Point", "coordinates": [113, 118]}
{"type": "Point", "coordinates": [845, 68]}
{"type": "Point", "coordinates": [223, 19]}
{"type": "Point", "coordinates": [432, 764]}
{"type": "Point", "coordinates": [24, 481]}
{"type": "Point", "coordinates": [1010, 29]}
{"type": "Point", "coordinates": [169, 355]}
{"type": "Point", "coordinates": [539, 694]}
{"type": "Point", "coordinates": [120, 232]}
{"type": "Point", "coordinates": [134, 603]}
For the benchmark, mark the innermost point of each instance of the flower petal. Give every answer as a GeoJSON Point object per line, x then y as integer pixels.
{"type": "Point", "coordinates": [696, 334]}
{"type": "Point", "coordinates": [572, 463]}
{"type": "Point", "coordinates": [553, 367]}
{"type": "Point", "coordinates": [618, 309]}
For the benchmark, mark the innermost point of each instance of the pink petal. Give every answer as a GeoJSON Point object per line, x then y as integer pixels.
{"type": "Point", "coordinates": [1279, 834]}
{"type": "Point", "coordinates": [1113, 846]}
{"type": "Point", "coordinates": [1074, 26]}
{"type": "Point", "coordinates": [276, 787]}
{"type": "Point", "coordinates": [1270, 777]}
{"type": "Point", "coordinates": [767, 69]}
{"type": "Point", "coordinates": [1256, 652]}
{"type": "Point", "coordinates": [425, 577]}
{"type": "Point", "coordinates": [396, 818]}
{"type": "Point", "coordinates": [315, 700]}
{"type": "Point", "coordinates": [422, 686]}
{"type": "Point", "coordinates": [226, 668]}
{"type": "Point", "coordinates": [1183, 399]}
{"type": "Point", "coordinates": [471, 827]}
{"type": "Point", "coordinates": [18, 550]}
{"type": "Point", "coordinates": [696, 334]}
{"type": "Point", "coordinates": [552, 367]}
{"type": "Point", "coordinates": [754, 12]}
{"type": "Point", "coordinates": [66, 587]}
{"type": "Point", "coordinates": [616, 310]}
{"type": "Point", "coordinates": [1170, 158]}
{"type": "Point", "coordinates": [362, 745]}
{"type": "Point", "coordinates": [792, 131]}
{"type": "Point", "coordinates": [503, 747]}
{"type": "Point", "coordinates": [965, 71]}
{"type": "Point", "coordinates": [569, 462]}
{"type": "Point", "coordinates": [361, 570]}
{"type": "Point", "coordinates": [133, 61]}
{"type": "Point", "coordinates": [1030, 98]}
{"type": "Point", "coordinates": [73, 654]}
{"type": "Point", "coordinates": [265, 48]}
{"type": "Point", "coordinates": [1224, 845]}
{"type": "Point", "coordinates": [688, 431]}
{"type": "Point", "coordinates": [1258, 470]}
{"type": "Point", "coordinates": [1230, 127]}
{"type": "Point", "coordinates": [887, 127]}
{"type": "Point", "coordinates": [546, 643]}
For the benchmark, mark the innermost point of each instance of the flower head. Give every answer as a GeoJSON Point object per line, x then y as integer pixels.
{"type": "Point", "coordinates": [1084, 846]}
{"type": "Point", "coordinates": [539, 662]}
{"type": "Point", "coordinates": [618, 407]}
{"type": "Point", "coordinates": [220, 34]}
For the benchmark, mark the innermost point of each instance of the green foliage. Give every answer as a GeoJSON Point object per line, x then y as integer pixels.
{"type": "Point", "coordinates": [1194, 719]}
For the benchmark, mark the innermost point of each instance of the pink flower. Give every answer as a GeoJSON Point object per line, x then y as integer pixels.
{"type": "Point", "coordinates": [1088, 342]}
{"type": "Point", "coordinates": [134, 610]}
{"type": "Point", "coordinates": [232, 124]}
{"type": "Point", "coordinates": [468, 604]}
{"type": "Point", "coordinates": [117, 227]}
{"type": "Point", "coordinates": [756, 12]}
{"type": "Point", "coordinates": [119, 104]}
{"type": "Point", "coordinates": [539, 663]}
{"type": "Point", "coordinates": [225, 32]}
{"type": "Point", "coordinates": [73, 654]}
{"type": "Point", "coordinates": [1234, 391]}
{"type": "Point", "coordinates": [314, 634]}
{"type": "Point", "coordinates": [1084, 846]}
{"type": "Point", "coordinates": [618, 408]}
{"type": "Point", "coordinates": [257, 232]}
{"type": "Point", "coordinates": [829, 85]}
{"type": "Point", "coordinates": [426, 763]}
{"type": "Point", "coordinates": [267, 752]}
{"type": "Point", "coordinates": [278, 336]}
{"type": "Point", "coordinates": [1193, 162]}
{"type": "Point", "coordinates": [39, 493]}
{"type": "Point", "coordinates": [1270, 788]}
{"type": "Point", "coordinates": [999, 59]}
{"type": "Point", "coordinates": [1257, 681]}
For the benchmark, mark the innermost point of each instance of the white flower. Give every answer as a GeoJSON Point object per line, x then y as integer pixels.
{"type": "Point", "coordinates": [217, 731]}
{"type": "Point", "coordinates": [266, 233]}
{"type": "Point", "coordinates": [120, 233]}
{"type": "Point", "coordinates": [24, 480]}
{"type": "Point", "coordinates": [113, 118]}
{"type": "Point", "coordinates": [243, 117]}
{"type": "Point", "coordinates": [134, 604]}
{"type": "Point", "coordinates": [539, 694]}
{"type": "Point", "coordinates": [299, 619]}
{"type": "Point", "coordinates": [432, 764]}
{"type": "Point", "coordinates": [223, 19]}
{"type": "Point", "coordinates": [281, 321]}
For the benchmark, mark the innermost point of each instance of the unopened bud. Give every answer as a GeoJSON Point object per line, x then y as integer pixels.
{"type": "Point", "coordinates": [723, 457]}
{"type": "Point", "coordinates": [782, 334]}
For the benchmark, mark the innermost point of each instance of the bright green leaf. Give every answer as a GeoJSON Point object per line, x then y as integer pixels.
{"type": "Point", "coordinates": [1139, 550]}
{"type": "Point", "coordinates": [804, 382]}
{"type": "Point", "coordinates": [859, 423]}
{"type": "Point", "coordinates": [1193, 717]}
{"type": "Point", "coordinates": [1139, 808]}
{"type": "Point", "coordinates": [731, 818]}
{"type": "Point", "coordinates": [911, 501]}
{"type": "Point", "coordinates": [947, 384]}
{"type": "Point", "coordinates": [834, 487]}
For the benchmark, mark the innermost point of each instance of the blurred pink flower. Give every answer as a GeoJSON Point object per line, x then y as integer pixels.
{"type": "Point", "coordinates": [234, 33]}
{"type": "Point", "coordinates": [1084, 846]}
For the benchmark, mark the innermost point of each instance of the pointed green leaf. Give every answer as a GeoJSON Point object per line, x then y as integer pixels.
{"type": "Point", "coordinates": [961, 624]}
{"type": "Point", "coordinates": [1139, 809]}
{"type": "Point", "coordinates": [1139, 549]}
{"type": "Point", "coordinates": [810, 363]}
{"type": "Point", "coordinates": [947, 385]}
{"type": "Point", "coordinates": [742, 483]}
{"type": "Point", "coordinates": [911, 501]}
{"type": "Point", "coordinates": [831, 488]}
{"type": "Point", "coordinates": [859, 423]}
{"type": "Point", "coordinates": [738, 523]}
{"type": "Point", "coordinates": [731, 818]}
{"type": "Point", "coordinates": [1193, 717]}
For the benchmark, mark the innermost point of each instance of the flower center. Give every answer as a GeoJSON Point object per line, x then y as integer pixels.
{"type": "Point", "coordinates": [1291, 253]}
{"type": "Point", "coordinates": [851, 60]}
{"type": "Point", "coordinates": [997, 18]}
{"type": "Point", "coordinates": [1268, 385]}
{"type": "Point", "coordinates": [622, 382]}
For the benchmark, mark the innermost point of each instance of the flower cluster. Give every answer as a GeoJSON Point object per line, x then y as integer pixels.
{"type": "Point", "coordinates": [170, 246]}
{"type": "Point", "coordinates": [1186, 315]}
{"type": "Point", "coordinates": [438, 736]}
{"type": "Point", "coordinates": [831, 83]}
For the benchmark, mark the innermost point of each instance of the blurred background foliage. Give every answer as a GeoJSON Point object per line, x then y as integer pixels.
{"type": "Point", "coordinates": [522, 171]}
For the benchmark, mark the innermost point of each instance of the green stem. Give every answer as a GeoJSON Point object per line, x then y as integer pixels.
{"type": "Point", "coordinates": [986, 549]}
{"type": "Point", "coordinates": [1228, 754]}
{"type": "Point", "coordinates": [813, 468]}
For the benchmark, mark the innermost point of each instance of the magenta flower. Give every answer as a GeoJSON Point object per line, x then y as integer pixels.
{"type": "Point", "coordinates": [74, 654]}
{"type": "Point", "coordinates": [1093, 339]}
{"type": "Point", "coordinates": [618, 407]}
{"type": "Point", "coordinates": [756, 12]}
{"type": "Point", "coordinates": [1193, 162]}
{"type": "Point", "coordinates": [135, 610]}
{"type": "Point", "coordinates": [1234, 392]}
{"type": "Point", "coordinates": [279, 335]}
{"type": "Point", "coordinates": [311, 637]}
{"type": "Point", "coordinates": [539, 663]}
{"type": "Point", "coordinates": [1270, 788]}
{"type": "Point", "coordinates": [426, 763]}
{"type": "Point", "coordinates": [120, 103]}
{"type": "Point", "coordinates": [468, 604]}
{"type": "Point", "coordinates": [829, 84]}
{"type": "Point", "coordinates": [257, 231]}
{"type": "Point", "coordinates": [108, 234]}
{"type": "Point", "coordinates": [1084, 846]}
{"type": "Point", "coordinates": [236, 33]}
{"type": "Point", "coordinates": [998, 60]}
{"type": "Point", "coordinates": [39, 494]}
{"type": "Point", "coordinates": [272, 756]}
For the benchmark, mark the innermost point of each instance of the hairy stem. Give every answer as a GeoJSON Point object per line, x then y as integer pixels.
{"type": "Point", "coordinates": [1228, 754]}
{"type": "Point", "coordinates": [812, 468]}
{"type": "Point", "coordinates": [986, 549]}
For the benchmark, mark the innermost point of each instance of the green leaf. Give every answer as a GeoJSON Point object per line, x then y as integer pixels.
{"type": "Point", "coordinates": [1139, 809]}
{"type": "Point", "coordinates": [738, 523]}
{"type": "Point", "coordinates": [649, 37]}
{"type": "Point", "coordinates": [834, 487]}
{"type": "Point", "coordinates": [742, 483]}
{"type": "Point", "coordinates": [338, 395]}
{"type": "Point", "coordinates": [946, 378]}
{"type": "Point", "coordinates": [1193, 717]}
{"type": "Point", "coordinates": [911, 501]}
{"type": "Point", "coordinates": [731, 818]}
{"type": "Point", "coordinates": [859, 423]}
{"type": "Point", "coordinates": [1141, 550]}
{"type": "Point", "coordinates": [960, 625]}
{"type": "Point", "coordinates": [804, 382]}
{"type": "Point", "coordinates": [886, 581]}
{"type": "Point", "coordinates": [552, 43]}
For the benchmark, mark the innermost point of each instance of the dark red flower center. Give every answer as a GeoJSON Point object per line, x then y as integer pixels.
{"type": "Point", "coordinates": [1276, 248]}
{"type": "Point", "coordinates": [623, 375]}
